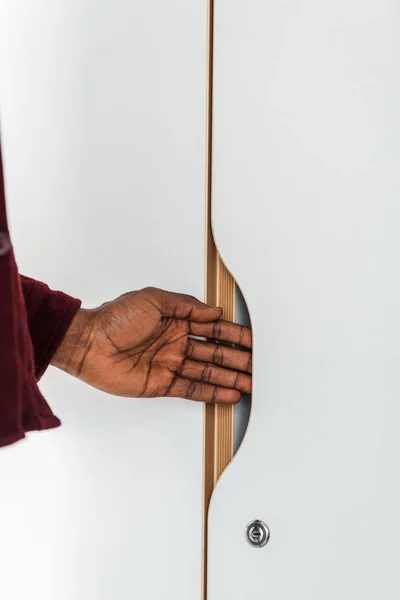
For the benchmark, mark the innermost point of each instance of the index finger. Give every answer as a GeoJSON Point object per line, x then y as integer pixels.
{"type": "Point", "coordinates": [225, 331]}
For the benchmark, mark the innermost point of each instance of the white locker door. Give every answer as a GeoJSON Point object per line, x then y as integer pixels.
{"type": "Point", "coordinates": [103, 110]}
{"type": "Point", "coordinates": [306, 212]}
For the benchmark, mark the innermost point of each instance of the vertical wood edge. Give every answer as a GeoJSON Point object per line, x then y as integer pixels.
{"type": "Point", "coordinates": [218, 433]}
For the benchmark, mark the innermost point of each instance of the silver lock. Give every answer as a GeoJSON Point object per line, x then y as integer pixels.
{"type": "Point", "coordinates": [257, 533]}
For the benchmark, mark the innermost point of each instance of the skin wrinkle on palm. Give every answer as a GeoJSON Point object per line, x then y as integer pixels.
{"type": "Point", "coordinates": [151, 343]}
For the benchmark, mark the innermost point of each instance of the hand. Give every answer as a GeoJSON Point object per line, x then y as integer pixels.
{"type": "Point", "coordinates": [141, 345]}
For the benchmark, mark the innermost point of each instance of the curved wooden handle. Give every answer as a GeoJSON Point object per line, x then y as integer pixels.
{"type": "Point", "coordinates": [220, 291]}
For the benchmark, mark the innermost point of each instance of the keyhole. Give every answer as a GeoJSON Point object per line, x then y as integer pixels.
{"type": "Point", "coordinates": [257, 534]}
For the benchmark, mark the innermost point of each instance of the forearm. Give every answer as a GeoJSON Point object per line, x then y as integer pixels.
{"type": "Point", "coordinates": [78, 340]}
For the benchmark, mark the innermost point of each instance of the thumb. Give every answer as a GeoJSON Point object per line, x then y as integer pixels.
{"type": "Point", "coordinates": [184, 306]}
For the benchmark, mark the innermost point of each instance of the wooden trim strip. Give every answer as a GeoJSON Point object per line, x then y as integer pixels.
{"type": "Point", "coordinates": [224, 415]}
{"type": "Point", "coordinates": [220, 291]}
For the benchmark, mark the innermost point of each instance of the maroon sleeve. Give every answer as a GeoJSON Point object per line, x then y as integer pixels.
{"type": "Point", "coordinates": [50, 314]}
{"type": "Point", "coordinates": [33, 320]}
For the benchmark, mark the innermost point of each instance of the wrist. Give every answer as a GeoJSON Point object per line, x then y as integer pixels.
{"type": "Point", "coordinates": [75, 346]}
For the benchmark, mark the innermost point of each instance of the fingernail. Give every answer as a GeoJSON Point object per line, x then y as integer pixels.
{"type": "Point", "coordinates": [217, 307]}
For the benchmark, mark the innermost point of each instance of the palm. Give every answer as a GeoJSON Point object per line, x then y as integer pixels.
{"type": "Point", "coordinates": [142, 355]}
{"type": "Point", "coordinates": [142, 346]}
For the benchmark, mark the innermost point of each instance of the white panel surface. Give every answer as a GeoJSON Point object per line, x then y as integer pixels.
{"type": "Point", "coordinates": [103, 127]}
{"type": "Point", "coordinates": [307, 166]}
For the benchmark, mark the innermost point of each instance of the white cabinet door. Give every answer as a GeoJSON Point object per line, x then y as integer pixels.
{"type": "Point", "coordinates": [103, 127]}
{"type": "Point", "coordinates": [306, 212]}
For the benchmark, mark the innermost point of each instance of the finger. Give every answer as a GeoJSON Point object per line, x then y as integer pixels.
{"type": "Point", "coordinates": [223, 356]}
{"type": "Point", "coordinates": [202, 392]}
{"type": "Point", "coordinates": [223, 330]}
{"type": "Point", "coordinates": [209, 373]}
{"type": "Point", "coordinates": [183, 306]}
